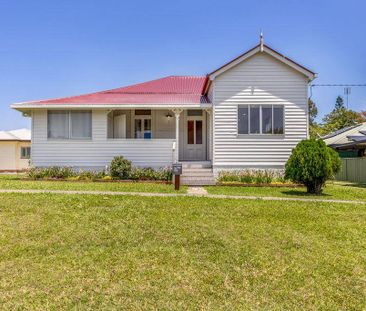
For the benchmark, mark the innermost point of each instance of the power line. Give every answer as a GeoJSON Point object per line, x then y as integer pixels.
{"type": "Point", "coordinates": [347, 88]}
{"type": "Point", "coordinates": [345, 85]}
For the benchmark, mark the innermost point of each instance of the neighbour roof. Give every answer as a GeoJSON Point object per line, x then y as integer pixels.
{"type": "Point", "coordinates": [21, 134]}
{"type": "Point", "coordinates": [168, 90]}
{"type": "Point", "coordinates": [349, 136]}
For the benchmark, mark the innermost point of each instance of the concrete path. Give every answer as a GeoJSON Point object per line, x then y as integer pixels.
{"type": "Point", "coordinates": [151, 194]}
{"type": "Point", "coordinates": [197, 191]}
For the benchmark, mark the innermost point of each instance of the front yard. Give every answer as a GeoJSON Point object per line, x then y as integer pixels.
{"type": "Point", "coordinates": [333, 190]}
{"type": "Point", "coordinates": [123, 252]}
{"type": "Point", "coordinates": [19, 182]}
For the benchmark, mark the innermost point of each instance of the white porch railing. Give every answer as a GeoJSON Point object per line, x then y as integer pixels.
{"type": "Point", "coordinates": [99, 153]}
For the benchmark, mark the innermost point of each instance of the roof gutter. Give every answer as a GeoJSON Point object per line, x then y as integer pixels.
{"type": "Point", "coordinates": [22, 107]}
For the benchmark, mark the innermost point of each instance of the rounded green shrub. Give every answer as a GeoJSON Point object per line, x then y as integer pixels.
{"type": "Point", "coordinates": [120, 168]}
{"type": "Point", "coordinates": [312, 163]}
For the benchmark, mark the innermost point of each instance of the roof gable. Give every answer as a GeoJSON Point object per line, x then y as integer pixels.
{"type": "Point", "coordinates": [269, 51]}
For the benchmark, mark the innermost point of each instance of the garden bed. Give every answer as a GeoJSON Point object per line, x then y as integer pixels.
{"type": "Point", "coordinates": [99, 180]}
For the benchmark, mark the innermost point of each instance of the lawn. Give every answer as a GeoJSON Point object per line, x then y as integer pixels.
{"type": "Point", "coordinates": [333, 190]}
{"type": "Point", "coordinates": [66, 252]}
{"type": "Point", "coordinates": [18, 182]}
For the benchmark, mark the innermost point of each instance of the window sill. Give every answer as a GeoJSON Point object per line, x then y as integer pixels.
{"type": "Point", "coordinates": [261, 136]}
{"type": "Point", "coordinates": [69, 139]}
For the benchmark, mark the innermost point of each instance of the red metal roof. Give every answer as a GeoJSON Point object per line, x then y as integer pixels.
{"type": "Point", "coordinates": [168, 90]}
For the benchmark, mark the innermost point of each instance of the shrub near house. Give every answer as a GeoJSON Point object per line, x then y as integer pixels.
{"type": "Point", "coordinates": [312, 163]}
{"type": "Point", "coordinates": [120, 169]}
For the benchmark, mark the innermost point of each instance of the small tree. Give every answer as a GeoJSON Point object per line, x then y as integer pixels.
{"type": "Point", "coordinates": [120, 168]}
{"type": "Point", "coordinates": [340, 117]}
{"type": "Point", "coordinates": [312, 163]}
{"type": "Point", "coordinates": [315, 129]}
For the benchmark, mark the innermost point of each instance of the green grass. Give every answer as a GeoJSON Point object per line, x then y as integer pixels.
{"type": "Point", "coordinates": [63, 252]}
{"type": "Point", "coordinates": [18, 182]}
{"type": "Point", "coordinates": [334, 190]}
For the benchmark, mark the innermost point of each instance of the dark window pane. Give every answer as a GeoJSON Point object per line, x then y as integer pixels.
{"type": "Point", "coordinates": [195, 112]}
{"type": "Point", "coordinates": [199, 132]}
{"type": "Point", "coordinates": [254, 120]}
{"type": "Point", "coordinates": [58, 124]}
{"type": "Point", "coordinates": [243, 120]}
{"type": "Point", "coordinates": [25, 153]}
{"type": "Point", "coordinates": [142, 112]}
{"type": "Point", "coordinates": [147, 128]}
{"type": "Point", "coordinates": [138, 128]}
{"type": "Point", "coordinates": [278, 120]}
{"type": "Point", "coordinates": [266, 119]}
{"type": "Point", "coordinates": [81, 124]}
{"type": "Point", "coordinates": [190, 128]}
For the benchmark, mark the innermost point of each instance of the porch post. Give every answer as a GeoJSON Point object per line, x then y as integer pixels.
{"type": "Point", "coordinates": [177, 113]}
{"type": "Point", "coordinates": [209, 134]}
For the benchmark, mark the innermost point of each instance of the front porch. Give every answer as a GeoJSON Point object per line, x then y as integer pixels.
{"type": "Point", "coordinates": [188, 131]}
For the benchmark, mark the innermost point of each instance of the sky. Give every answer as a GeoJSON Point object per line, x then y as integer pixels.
{"type": "Point", "coordinates": [60, 48]}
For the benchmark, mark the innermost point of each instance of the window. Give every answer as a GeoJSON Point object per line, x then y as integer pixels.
{"type": "Point", "coordinates": [260, 119]}
{"type": "Point", "coordinates": [190, 132]}
{"type": "Point", "coordinates": [194, 113]}
{"type": "Point", "coordinates": [63, 124]}
{"type": "Point", "coordinates": [194, 132]}
{"type": "Point", "coordinates": [142, 112]}
{"type": "Point", "coordinates": [254, 122]}
{"type": "Point", "coordinates": [25, 152]}
{"type": "Point", "coordinates": [143, 124]}
{"type": "Point", "coordinates": [243, 123]}
{"type": "Point", "coordinates": [277, 120]}
{"type": "Point", "coordinates": [266, 119]}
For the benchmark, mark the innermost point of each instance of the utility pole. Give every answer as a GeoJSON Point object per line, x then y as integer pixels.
{"type": "Point", "coordinates": [347, 92]}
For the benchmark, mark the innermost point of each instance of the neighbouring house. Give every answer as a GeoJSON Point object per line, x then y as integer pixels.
{"type": "Point", "coordinates": [15, 149]}
{"type": "Point", "coordinates": [350, 142]}
{"type": "Point", "coordinates": [248, 113]}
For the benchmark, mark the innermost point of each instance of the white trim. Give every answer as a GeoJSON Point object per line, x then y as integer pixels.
{"type": "Point", "coordinates": [22, 106]}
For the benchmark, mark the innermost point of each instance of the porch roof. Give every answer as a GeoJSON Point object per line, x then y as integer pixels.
{"type": "Point", "coordinates": [172, 90]}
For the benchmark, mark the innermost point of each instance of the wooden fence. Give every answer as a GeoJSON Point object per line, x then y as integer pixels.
{"type": "Point", "coordinates": [353, 169]}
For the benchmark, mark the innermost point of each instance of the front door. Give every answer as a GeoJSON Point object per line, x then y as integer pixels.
{"type": "Point", "coordinates": [194, 136]}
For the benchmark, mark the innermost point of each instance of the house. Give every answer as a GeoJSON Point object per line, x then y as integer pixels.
{"type": "Point", "coordinates": [349, 142]}
{"type": "Point", "coordinates": [15, 150]}
{"type": "Point", "coordinates": [248, 113]}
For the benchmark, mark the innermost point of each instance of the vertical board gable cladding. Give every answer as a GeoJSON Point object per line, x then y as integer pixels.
{"type": "Point", "coordinates": [260, 79]}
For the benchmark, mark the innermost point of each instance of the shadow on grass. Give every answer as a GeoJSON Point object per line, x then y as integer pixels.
{"type": "Point", "coordinates": [11, 177]}
{"type": "Point", "coordinates": [355, 185]}
{"type": "Point", "coordinates": [303, 193]}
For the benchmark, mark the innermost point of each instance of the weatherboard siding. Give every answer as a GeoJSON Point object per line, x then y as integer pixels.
{"type": "Point", "coordinates": [97, 152]}
{"type": "Point", "coordinates": [260, 79]}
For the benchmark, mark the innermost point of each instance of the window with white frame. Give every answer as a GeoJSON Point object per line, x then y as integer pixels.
{"type": "Point", "coordinates": [143, 124]}
{"type": "Point", "coordinates": [25, 152]}
{"type": "Point", "coordinates": [65, 124]}
{"type": "Point", "coordinates": [261, 119]}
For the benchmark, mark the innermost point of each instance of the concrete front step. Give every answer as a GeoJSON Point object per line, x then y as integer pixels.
{"type": "Point", "coordinates": [207, 172]}
{"type": "Point", "coordinates": [196, 180]}
{"type": "Point", "coordinates": [196, 165]}
{"type": "Point", "coordinates": [197, 173]}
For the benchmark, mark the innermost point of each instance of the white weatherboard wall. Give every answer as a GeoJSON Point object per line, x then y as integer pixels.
{"type": "Point", "coordinates": [97, 152]}
{"type": "Point", "coordinates": [10, 156]}
{"type": "Point", "coordinates": [260, 79]}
